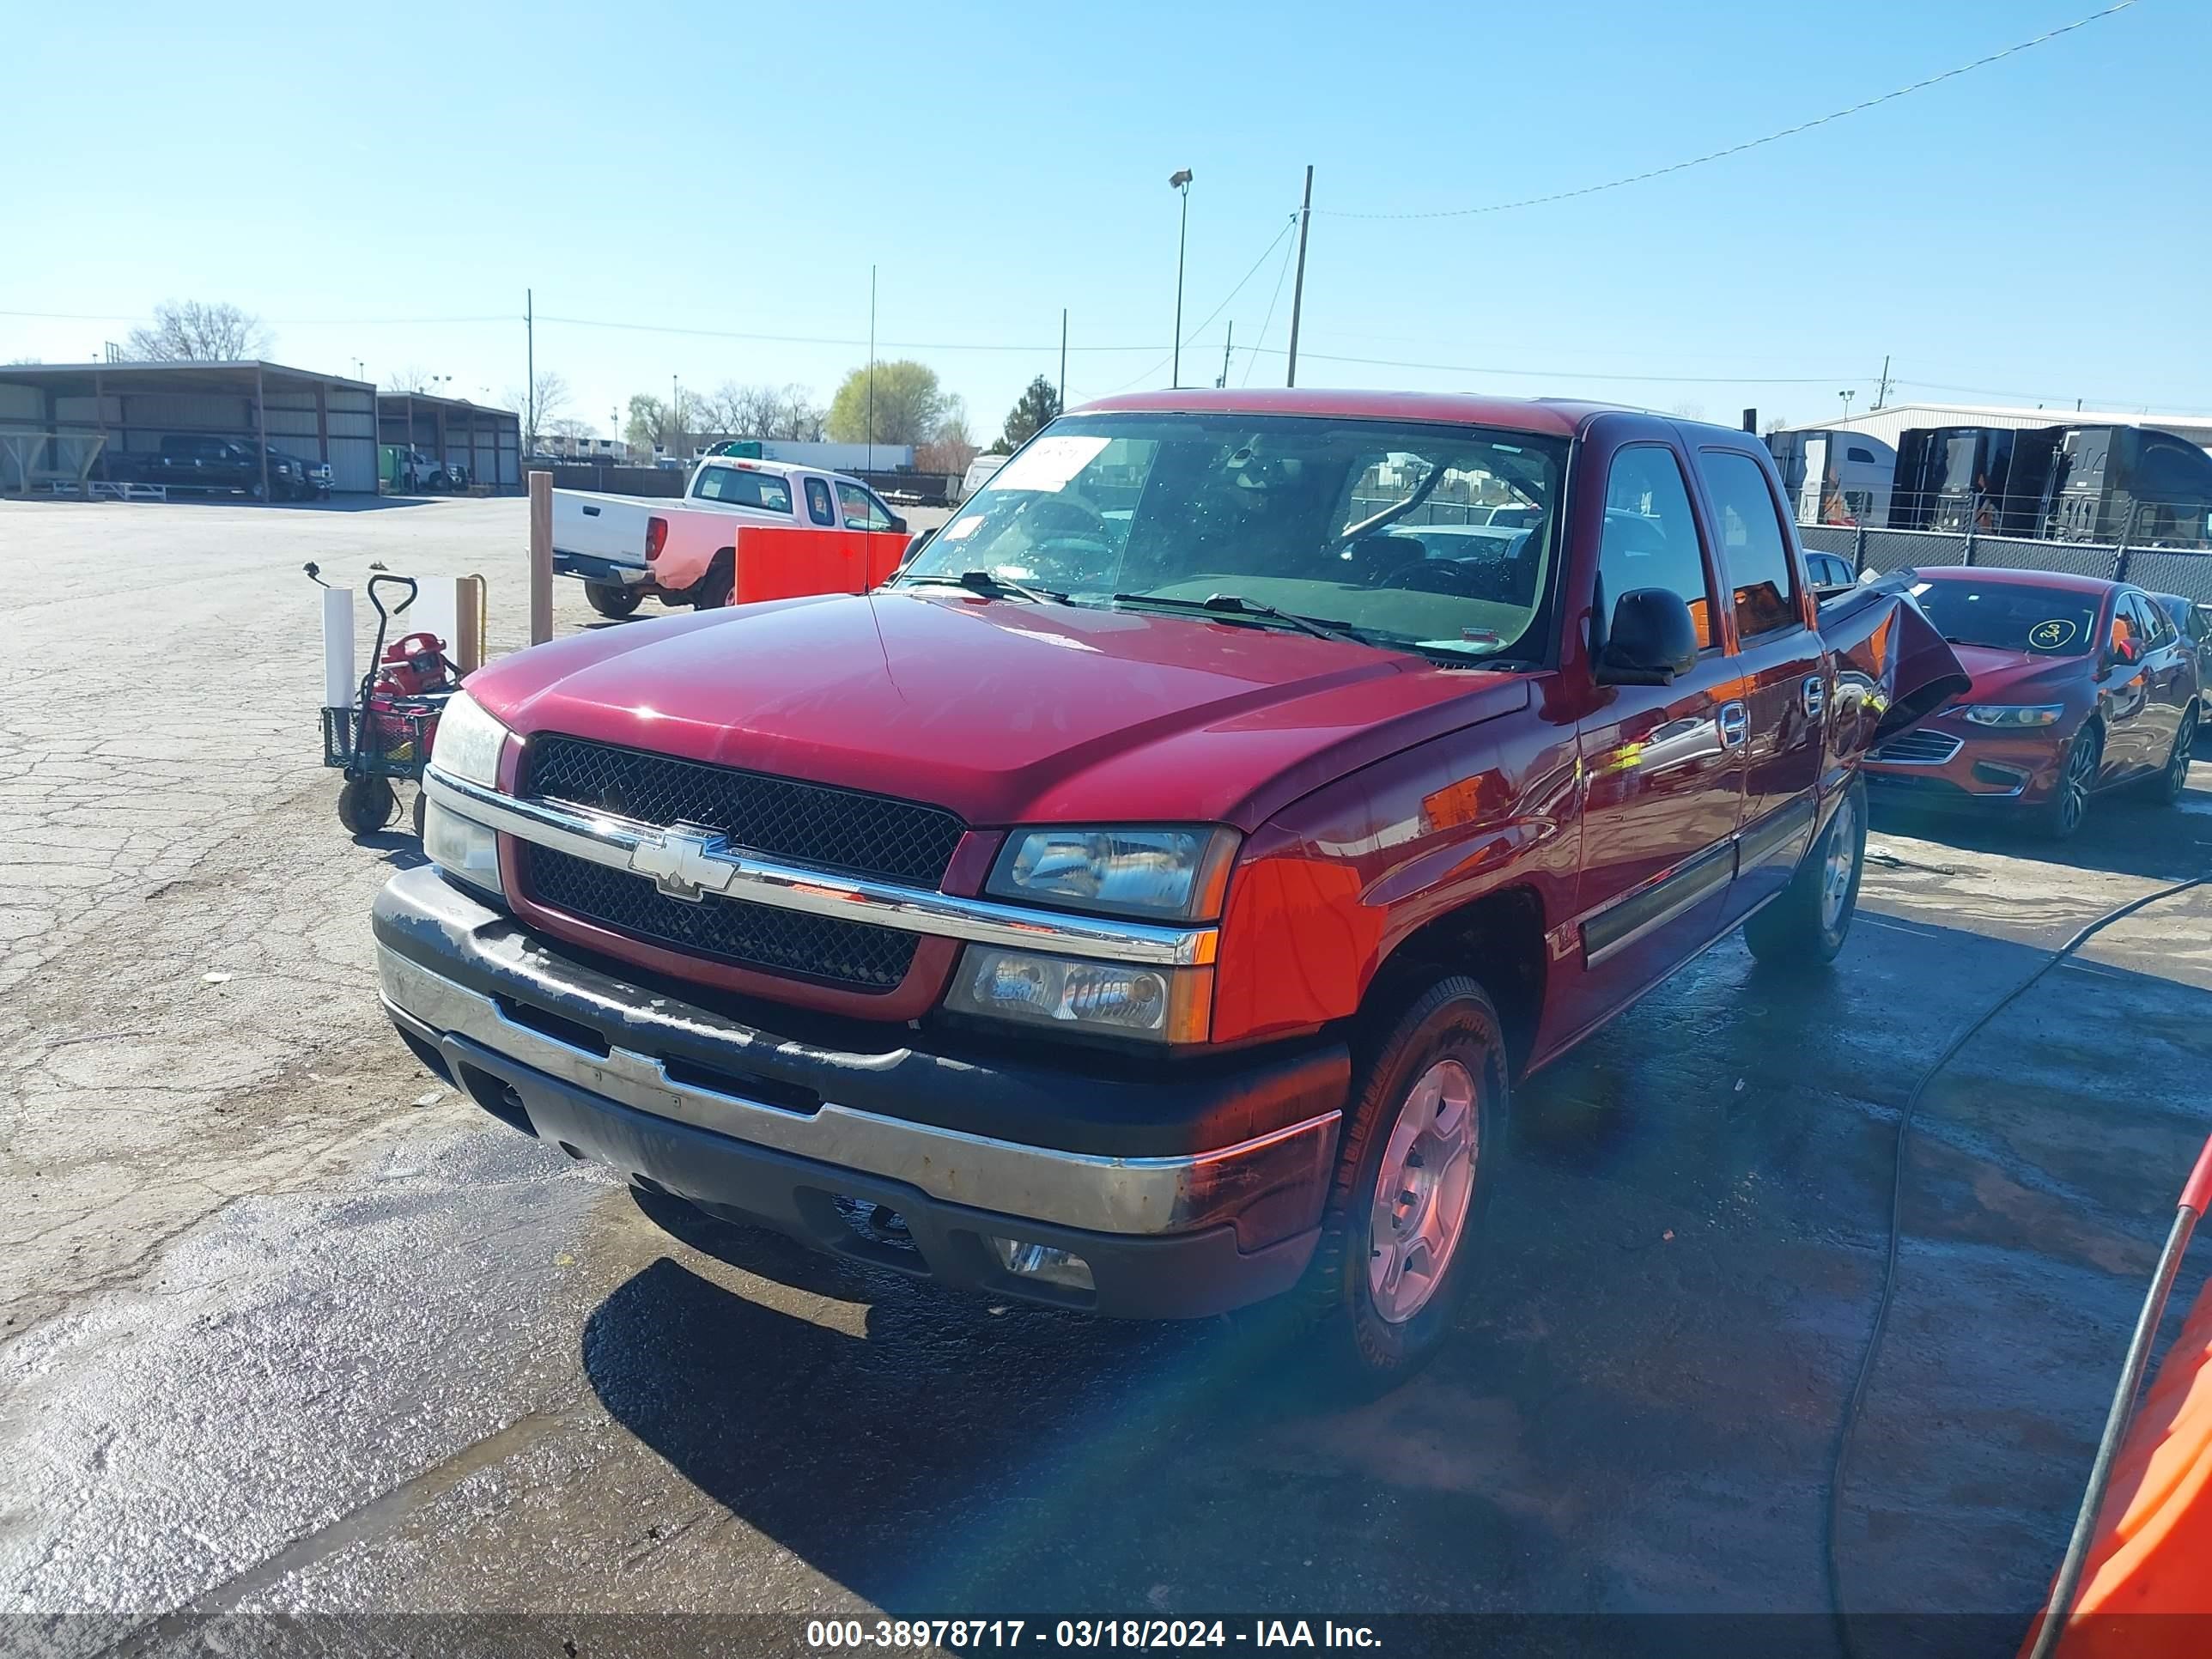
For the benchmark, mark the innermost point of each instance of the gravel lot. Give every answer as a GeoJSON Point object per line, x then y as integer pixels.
{"type": "Point", "coordinates": [289, 1327]}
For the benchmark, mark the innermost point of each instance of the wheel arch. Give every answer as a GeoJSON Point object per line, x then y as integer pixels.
{"type": "Point", "coordinates": [1496, 939]}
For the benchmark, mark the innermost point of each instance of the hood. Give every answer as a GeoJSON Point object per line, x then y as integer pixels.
{"type": "Point", "coordinates": [1003, 711]}
{"type": "Point", "coordinates": [2001, 676]}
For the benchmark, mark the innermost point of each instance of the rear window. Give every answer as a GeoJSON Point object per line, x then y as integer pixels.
{"type": "Point", "coordinates": [741, 487]}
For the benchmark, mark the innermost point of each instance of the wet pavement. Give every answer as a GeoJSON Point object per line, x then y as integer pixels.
{"type": "Point", "coordinates": [290, 1327]}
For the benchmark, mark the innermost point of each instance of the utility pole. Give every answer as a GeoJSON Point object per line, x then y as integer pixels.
{"type": "Point", "coordinates": [529, 347]}
{"type": "Point", "coordinates": [1179, 181]}
{"type": "Point", "coordinates": [871, 368]}
{"type": "Point", "coordinates": [1063, 360]}
{"type": "Point", "coordinates": [1881, 392]}
{"type": "Point", "coordinates": [675, 420]}
{"type": "Point", "coordinates": [1225, 346]}
{"type": "Point", "coordinates": [1299, 288]}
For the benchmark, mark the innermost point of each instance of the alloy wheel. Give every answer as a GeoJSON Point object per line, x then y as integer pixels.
{"type": "Point", "coordinates": [2073, 787]}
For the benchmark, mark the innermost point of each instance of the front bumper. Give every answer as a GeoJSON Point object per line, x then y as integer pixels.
{"type": "Point", "coordinates": [1991, 772]}
{"type": "Point", "coordinates": [591, 568]}
{"type": "Point", "coordinates": [1187, 1191]}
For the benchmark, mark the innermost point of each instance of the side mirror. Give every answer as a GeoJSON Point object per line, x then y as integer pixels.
{"type": "Point", "coordinates": [2125, 652]}
{"type": "Point", "coordinates": [1652, 638]}
{"type": "Point", "coordinates": [898, 525]}
{"type": "Point", "coordinates": [915, 547]}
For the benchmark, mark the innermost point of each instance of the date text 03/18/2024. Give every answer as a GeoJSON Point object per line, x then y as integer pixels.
{"type": "Point", "coordinates": [855, 1634]}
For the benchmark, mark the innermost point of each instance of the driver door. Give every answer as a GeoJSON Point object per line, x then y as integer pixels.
{"type": "Point", "coordinates": [1662, 765]}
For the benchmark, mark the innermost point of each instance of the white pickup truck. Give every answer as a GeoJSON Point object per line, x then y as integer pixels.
{"type": "Point", "coordinates": [624, 547]}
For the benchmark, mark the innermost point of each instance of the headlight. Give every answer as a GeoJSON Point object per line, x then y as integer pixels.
{"type": "Point", "coordinates": [469, 742]}
{"type": "Point", "coordinates": [461, 846]}
{"type": "Point", "coordinates": [1175, 875]}
{"type": "Point", "coordinates": [1111, 998]}
{"type": "Point", "coordinates": [2015, 716]}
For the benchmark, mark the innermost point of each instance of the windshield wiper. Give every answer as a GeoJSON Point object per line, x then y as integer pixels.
{"type": "Point", "coordinates": [983, 583]}
{"type": "Point", "coordinates": [1236, 604]}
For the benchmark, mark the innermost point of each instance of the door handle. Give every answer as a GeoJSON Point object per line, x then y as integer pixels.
{"type": "Point", "coordinates": [1733, 722]}
{"type": "Point", "coordinates": [1816, 695]}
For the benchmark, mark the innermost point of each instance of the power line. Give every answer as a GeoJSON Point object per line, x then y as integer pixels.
{"type": "Point", "coordinates": [1749, 143]}
{"type": "Point", "coordinates": [1273, 299]}
{"type": "Point", "coordinates": [1575, 375]}
{"type": "Point", "coordinates": [1195, 333]}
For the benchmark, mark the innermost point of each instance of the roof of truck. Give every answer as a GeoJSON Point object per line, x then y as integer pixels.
{"type": "Point", "coordinates": [1551, 417]}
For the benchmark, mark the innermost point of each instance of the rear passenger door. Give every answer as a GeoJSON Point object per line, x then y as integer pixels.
{"type": "Point", "coordinates": [1782, 682]}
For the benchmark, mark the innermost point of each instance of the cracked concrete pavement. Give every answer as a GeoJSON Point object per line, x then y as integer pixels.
{"type": "Point", "coordinates": [281, 1337]}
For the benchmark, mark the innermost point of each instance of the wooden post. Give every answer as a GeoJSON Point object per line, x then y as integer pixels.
{"type": "Point", "coordinates": [541, 558]}
{"type": "Point", "coordinates": [469, 625]}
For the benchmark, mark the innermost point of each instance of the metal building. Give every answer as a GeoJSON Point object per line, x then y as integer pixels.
{"type": "Point", "coordinates": [484, 443]}
{"type": "Point", "coordinates": [57, 421]}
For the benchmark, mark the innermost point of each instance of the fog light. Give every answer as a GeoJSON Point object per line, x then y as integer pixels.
{"type": "Point", "coordinates": [1043, 1263]}
{"type": "Point", "coordinates": [460, 846]}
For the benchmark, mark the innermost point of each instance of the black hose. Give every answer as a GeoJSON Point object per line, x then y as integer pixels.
{"type": "Point", "coordinates": [1849, 1431]}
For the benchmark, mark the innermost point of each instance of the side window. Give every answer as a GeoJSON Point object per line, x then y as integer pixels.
{"type": "Point", "coordinates": [2158, 628]}
{"type": "Point", "coordinates": [862, 510]}
{"type": "Point", "coordinates": [1651, 535]}
{"type": "Point", "coordinates": [1863, 456]}
{"type": "Point", "coordinates": [818, 502]}
{"type": "Point", "coordinates": [1757, 558]}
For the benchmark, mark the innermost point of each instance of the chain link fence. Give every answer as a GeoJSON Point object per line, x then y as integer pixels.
{"type": "Point", "coordinates": [2159, 570]}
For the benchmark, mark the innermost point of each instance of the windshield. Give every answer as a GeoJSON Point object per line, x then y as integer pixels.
{"type": "Point", "coordinates": [2049, 621]}
{"type": "Point", "coordinates": [1425, 538]}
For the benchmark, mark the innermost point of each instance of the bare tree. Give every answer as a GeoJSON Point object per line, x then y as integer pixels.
{"type": "Point", "coordinates": [409, 378]}
{"type": "Point", "coordinates": [1688, 412]}
{"type": "Point", "coordinates": [200, 331]}
{"type": "Point", "coordinates": [761, 411]}
{"type": "Point", "coordinates": [539, 405]}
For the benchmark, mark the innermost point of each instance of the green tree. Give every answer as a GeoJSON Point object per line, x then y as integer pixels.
{"type": "Point", "coordinates": [1039, 405]}
{"type": "Point", "coordinates": [908, 405]}
{"type": "Point", "coordinates": [649, 418]}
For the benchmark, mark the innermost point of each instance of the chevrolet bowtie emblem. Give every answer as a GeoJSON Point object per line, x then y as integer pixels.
{"type": "Point", "coordinates": [682, 863]}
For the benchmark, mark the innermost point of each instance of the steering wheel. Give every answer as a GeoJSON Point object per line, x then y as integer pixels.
{"type": "Point", "coordinates": [1083, 519]}
{"type": "Point", "coordinates": [1442, 576]}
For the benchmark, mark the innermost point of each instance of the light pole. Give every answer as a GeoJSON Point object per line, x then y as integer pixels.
{"type": "Point", "coordinates": [1847, 396]}
{"type": "Point", "coordinates": [1180, 183]}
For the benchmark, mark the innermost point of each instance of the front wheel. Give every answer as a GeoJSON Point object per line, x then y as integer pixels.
{"type": "Point", "coordinates": [1805, 927]}
{"type": "Point", "coordinates": [2062, 816]}
{"type": "Point", "coordinates": [365, 805]}
{"type": "Point", "coordinates": [1424, 1134]}
{"type": "Point", "coordinates": [612, 599]}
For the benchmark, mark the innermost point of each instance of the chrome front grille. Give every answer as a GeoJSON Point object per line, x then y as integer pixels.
{"type": "Point", "coordinates": [1919, 748]}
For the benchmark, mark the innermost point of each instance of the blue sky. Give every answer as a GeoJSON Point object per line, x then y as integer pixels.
{"type": "Point", "coordinates": [2038, 230]}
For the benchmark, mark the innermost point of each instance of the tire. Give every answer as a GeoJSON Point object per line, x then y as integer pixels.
{"type": "Point", "coordinates": [713, 590]}
{"type": "Point", "coordinates": [1805, 927]}
{"type": "Point", "coordinates": [2061, 817]}
{"type": "Point", "coordinates": [1443, 1056]}
{"type": "Point", "coordinates": [365, 805]}
{"type": "Point", "coordinates": [612, 599]}
{"type": "Point", "coordinates": [2172, 782]}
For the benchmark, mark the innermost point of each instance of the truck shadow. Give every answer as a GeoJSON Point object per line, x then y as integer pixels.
{"type": "Point", "coordinates": [1679, 1275]}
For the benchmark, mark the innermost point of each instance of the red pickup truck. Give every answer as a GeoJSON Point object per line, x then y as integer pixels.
{"type": "Point", "coordinates": [1149, 900]}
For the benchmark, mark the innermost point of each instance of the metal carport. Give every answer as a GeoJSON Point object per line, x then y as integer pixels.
{"type": "Point", "coordinates": [83, 409]}
{"type": "Point", "coordinates": [486, 442]}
